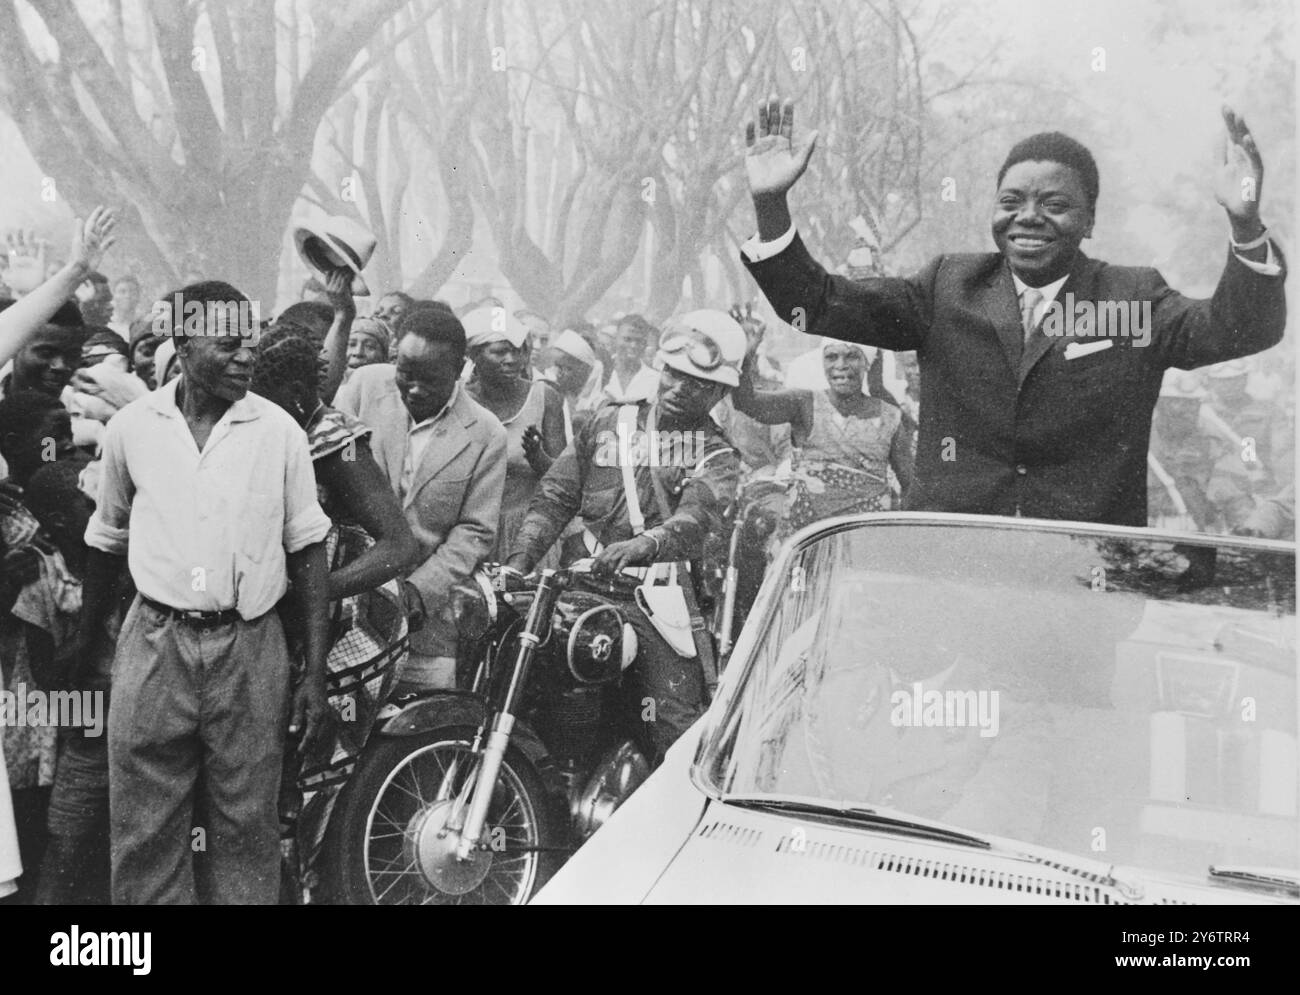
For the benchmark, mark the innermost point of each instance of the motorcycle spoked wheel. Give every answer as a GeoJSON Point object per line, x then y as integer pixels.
{"type": "Point", "coordinates": [386, 850]}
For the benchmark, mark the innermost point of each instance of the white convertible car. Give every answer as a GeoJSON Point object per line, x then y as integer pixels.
{"type": "Point", "coordinates": [959, 709]}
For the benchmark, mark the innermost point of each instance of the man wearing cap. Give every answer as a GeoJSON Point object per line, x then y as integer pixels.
{"type": "Point", "coordinates": [1180, 459]}
{"type": "Point", "coordinates": [1040, 367]}
{"type": "Point", "coordinates": [1248, 468]}
{"type": "Point", "coordinates": [651, 481]}
{"type": "Point", "coordinates": [208, 491]}
{"type": "Point", "coordinates": [445, 459]}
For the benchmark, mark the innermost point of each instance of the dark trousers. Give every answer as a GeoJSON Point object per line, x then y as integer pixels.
{"type": "Point", "coordinates": [196, 742]}
{"type": "Point", "coordinates": [665, 690]}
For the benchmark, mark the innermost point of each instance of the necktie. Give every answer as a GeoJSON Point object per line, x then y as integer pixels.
{"type": "Point", "coordinates": [1029, 302]}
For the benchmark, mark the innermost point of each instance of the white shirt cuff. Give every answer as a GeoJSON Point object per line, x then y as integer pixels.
{"type": "Point", "coordinates": [1269, 267]}
{"type": "Point", "coordinates": [102, 536]}
{"type": "Point", "coordinates": [756, 251]}
{"type": "Point", "coordinates": [308, 527]}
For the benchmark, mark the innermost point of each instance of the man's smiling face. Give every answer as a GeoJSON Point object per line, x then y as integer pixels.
{"type": "Point", "coordinates": [1040, 216]}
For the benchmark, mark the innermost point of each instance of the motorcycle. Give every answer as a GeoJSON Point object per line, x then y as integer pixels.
{"type": "Point", "coordinates": [477, 796]}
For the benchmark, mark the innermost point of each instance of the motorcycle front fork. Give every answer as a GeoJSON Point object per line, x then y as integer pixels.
{"type": "Point", "coordinates": [469, 816]}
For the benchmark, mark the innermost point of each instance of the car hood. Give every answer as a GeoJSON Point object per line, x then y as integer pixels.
{"type": "Point", "coordinates": [743, 856]}
{"type": "Point", "coordinates": [671, 845]}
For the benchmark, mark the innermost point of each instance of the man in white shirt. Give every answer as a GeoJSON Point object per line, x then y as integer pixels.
{"type": "Point", "coordinates": [208, 491]}
{"type": "Point", "coordinates": [632, 381]}
{"type": "Point", "coordinates": [1040, 367]}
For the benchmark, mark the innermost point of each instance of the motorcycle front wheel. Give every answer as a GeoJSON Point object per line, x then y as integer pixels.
{"type": "Point", "coordinates": [387, 843]}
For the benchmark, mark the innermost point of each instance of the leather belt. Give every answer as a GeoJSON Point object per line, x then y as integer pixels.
{"type": "Point", "coordinates": [196, 618]}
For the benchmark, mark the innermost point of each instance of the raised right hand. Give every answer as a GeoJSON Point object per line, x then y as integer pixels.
{"type": "Point", "coordinates": [775, 154]}
{"type": "Point", "coordinates": [90, 240]}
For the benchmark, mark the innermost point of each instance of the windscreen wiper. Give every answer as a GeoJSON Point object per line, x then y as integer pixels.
{"type": "Point", "coordinates": [1099, 874]}
{"type": "Point", "coordinates": [1273, 878]}
{"type": "Point", "coordinates": [861, 816]}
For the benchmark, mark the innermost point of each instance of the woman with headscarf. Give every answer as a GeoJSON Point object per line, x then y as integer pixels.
{"type": "Point", "coordinates": [369, 342]}
{"type": "Point", "coordinates": [845, 442]}
{"type": "Point", "coordinates": [532, 412]}
{"type": "Point", "coordinates": [370, 547]}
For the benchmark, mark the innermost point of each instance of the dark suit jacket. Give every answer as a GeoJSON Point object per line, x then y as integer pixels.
{"type": "Point", "coordinates": [1009, 429]}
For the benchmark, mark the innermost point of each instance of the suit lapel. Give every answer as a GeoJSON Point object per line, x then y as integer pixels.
{"type": "Point", "coordinates": [1080, 284]}
{"type": "Point", "coordinates": [450, 437]}
{"type": "Point", "coordinates": [393, 417]}
{"type": "Point", "coordinates": [998, 298]}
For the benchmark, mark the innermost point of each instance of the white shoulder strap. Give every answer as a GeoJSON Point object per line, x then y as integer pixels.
{"type": "Point", "coordinates": [627, 428]}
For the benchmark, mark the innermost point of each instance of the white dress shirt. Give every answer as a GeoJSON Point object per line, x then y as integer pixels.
{"type": "Point", "coordinates": [644, 386]}
{"type": "Point", "coordinates": [206, 531]}
{"type": "Point", "coordinates": [418, 438]}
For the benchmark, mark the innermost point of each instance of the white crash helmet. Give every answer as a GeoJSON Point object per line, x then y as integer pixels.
{"type": "Point", "coordinates": [708, 344]}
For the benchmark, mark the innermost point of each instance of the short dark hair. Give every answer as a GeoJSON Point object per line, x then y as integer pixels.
{"type": "Point", "coordinates": [433, 321]}
{"type": "Point", "coordinates": [205, 292]}
{"type": "Point", "coordinates": [640, 324]}
{"type": "Point", "coordinates": [315, 316]}
{"type": "Point", "coordinates": [286, 354]}
{"type": "Point", "coordinates": [21, 414]}
{"type": "Point", "coordinates": [1053, 146]}
{"type": "Point", "coordinates": [68, 316]}
{"type": "Point", "coordinates": [97, 335]}
{"type": "Point", "coordinates": [53, 488]}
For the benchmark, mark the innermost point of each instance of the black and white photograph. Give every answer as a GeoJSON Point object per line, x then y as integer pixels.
{"type": "Point", "coordinates": [653, 452]}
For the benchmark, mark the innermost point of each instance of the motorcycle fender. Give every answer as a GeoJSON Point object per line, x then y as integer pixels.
{"type": "Point", "coordinates": [464, 708]}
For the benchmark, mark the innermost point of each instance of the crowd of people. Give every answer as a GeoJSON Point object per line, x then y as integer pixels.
{"type": "Point", "coordinates": [249, 537]}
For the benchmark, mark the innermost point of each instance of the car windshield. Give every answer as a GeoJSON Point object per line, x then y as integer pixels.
{"type": "Point", "coordinates": [1105, 694]}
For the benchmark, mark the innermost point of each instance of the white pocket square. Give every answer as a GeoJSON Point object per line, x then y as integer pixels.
{"type": "Point", "coordinates": [1076, 349]}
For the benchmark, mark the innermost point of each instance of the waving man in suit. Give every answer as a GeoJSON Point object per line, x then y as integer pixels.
{"type": "Point", "coordinates": [1040, 367]}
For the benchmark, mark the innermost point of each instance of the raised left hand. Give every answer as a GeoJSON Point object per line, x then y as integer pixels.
{"type": "Point", "coordinates": [1240, 177]}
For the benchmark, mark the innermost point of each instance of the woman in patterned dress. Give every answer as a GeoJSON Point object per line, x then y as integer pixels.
{"type": "Point", "coordinates": [845, 442]}
{"type": "Point", "coordinates": [370, 548]}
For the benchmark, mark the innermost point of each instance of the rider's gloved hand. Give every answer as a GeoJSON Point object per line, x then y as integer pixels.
{"type": "Point", "coordinates": [635, 552]}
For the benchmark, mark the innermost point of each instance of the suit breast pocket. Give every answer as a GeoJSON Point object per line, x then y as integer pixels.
{"type": "Point", "coordinates": [444, 496]}
{"type": "Point", "coordinates": [1098, 370]}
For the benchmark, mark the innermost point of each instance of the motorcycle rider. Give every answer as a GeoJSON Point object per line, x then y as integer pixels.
{"type": "Point", "coordinates": [650, 480]}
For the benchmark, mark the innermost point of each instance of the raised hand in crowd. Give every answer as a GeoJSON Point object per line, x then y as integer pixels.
{"type": "Point", "coordinates": [338, 289]}
{"type": "Point", "coordinates": [90, 240]}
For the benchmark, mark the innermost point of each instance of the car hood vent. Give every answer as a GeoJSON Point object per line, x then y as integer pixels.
{"type": "Point", "coordinates": [727, 832]}
{"type": "Point", "coordinates": [903, 859]}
